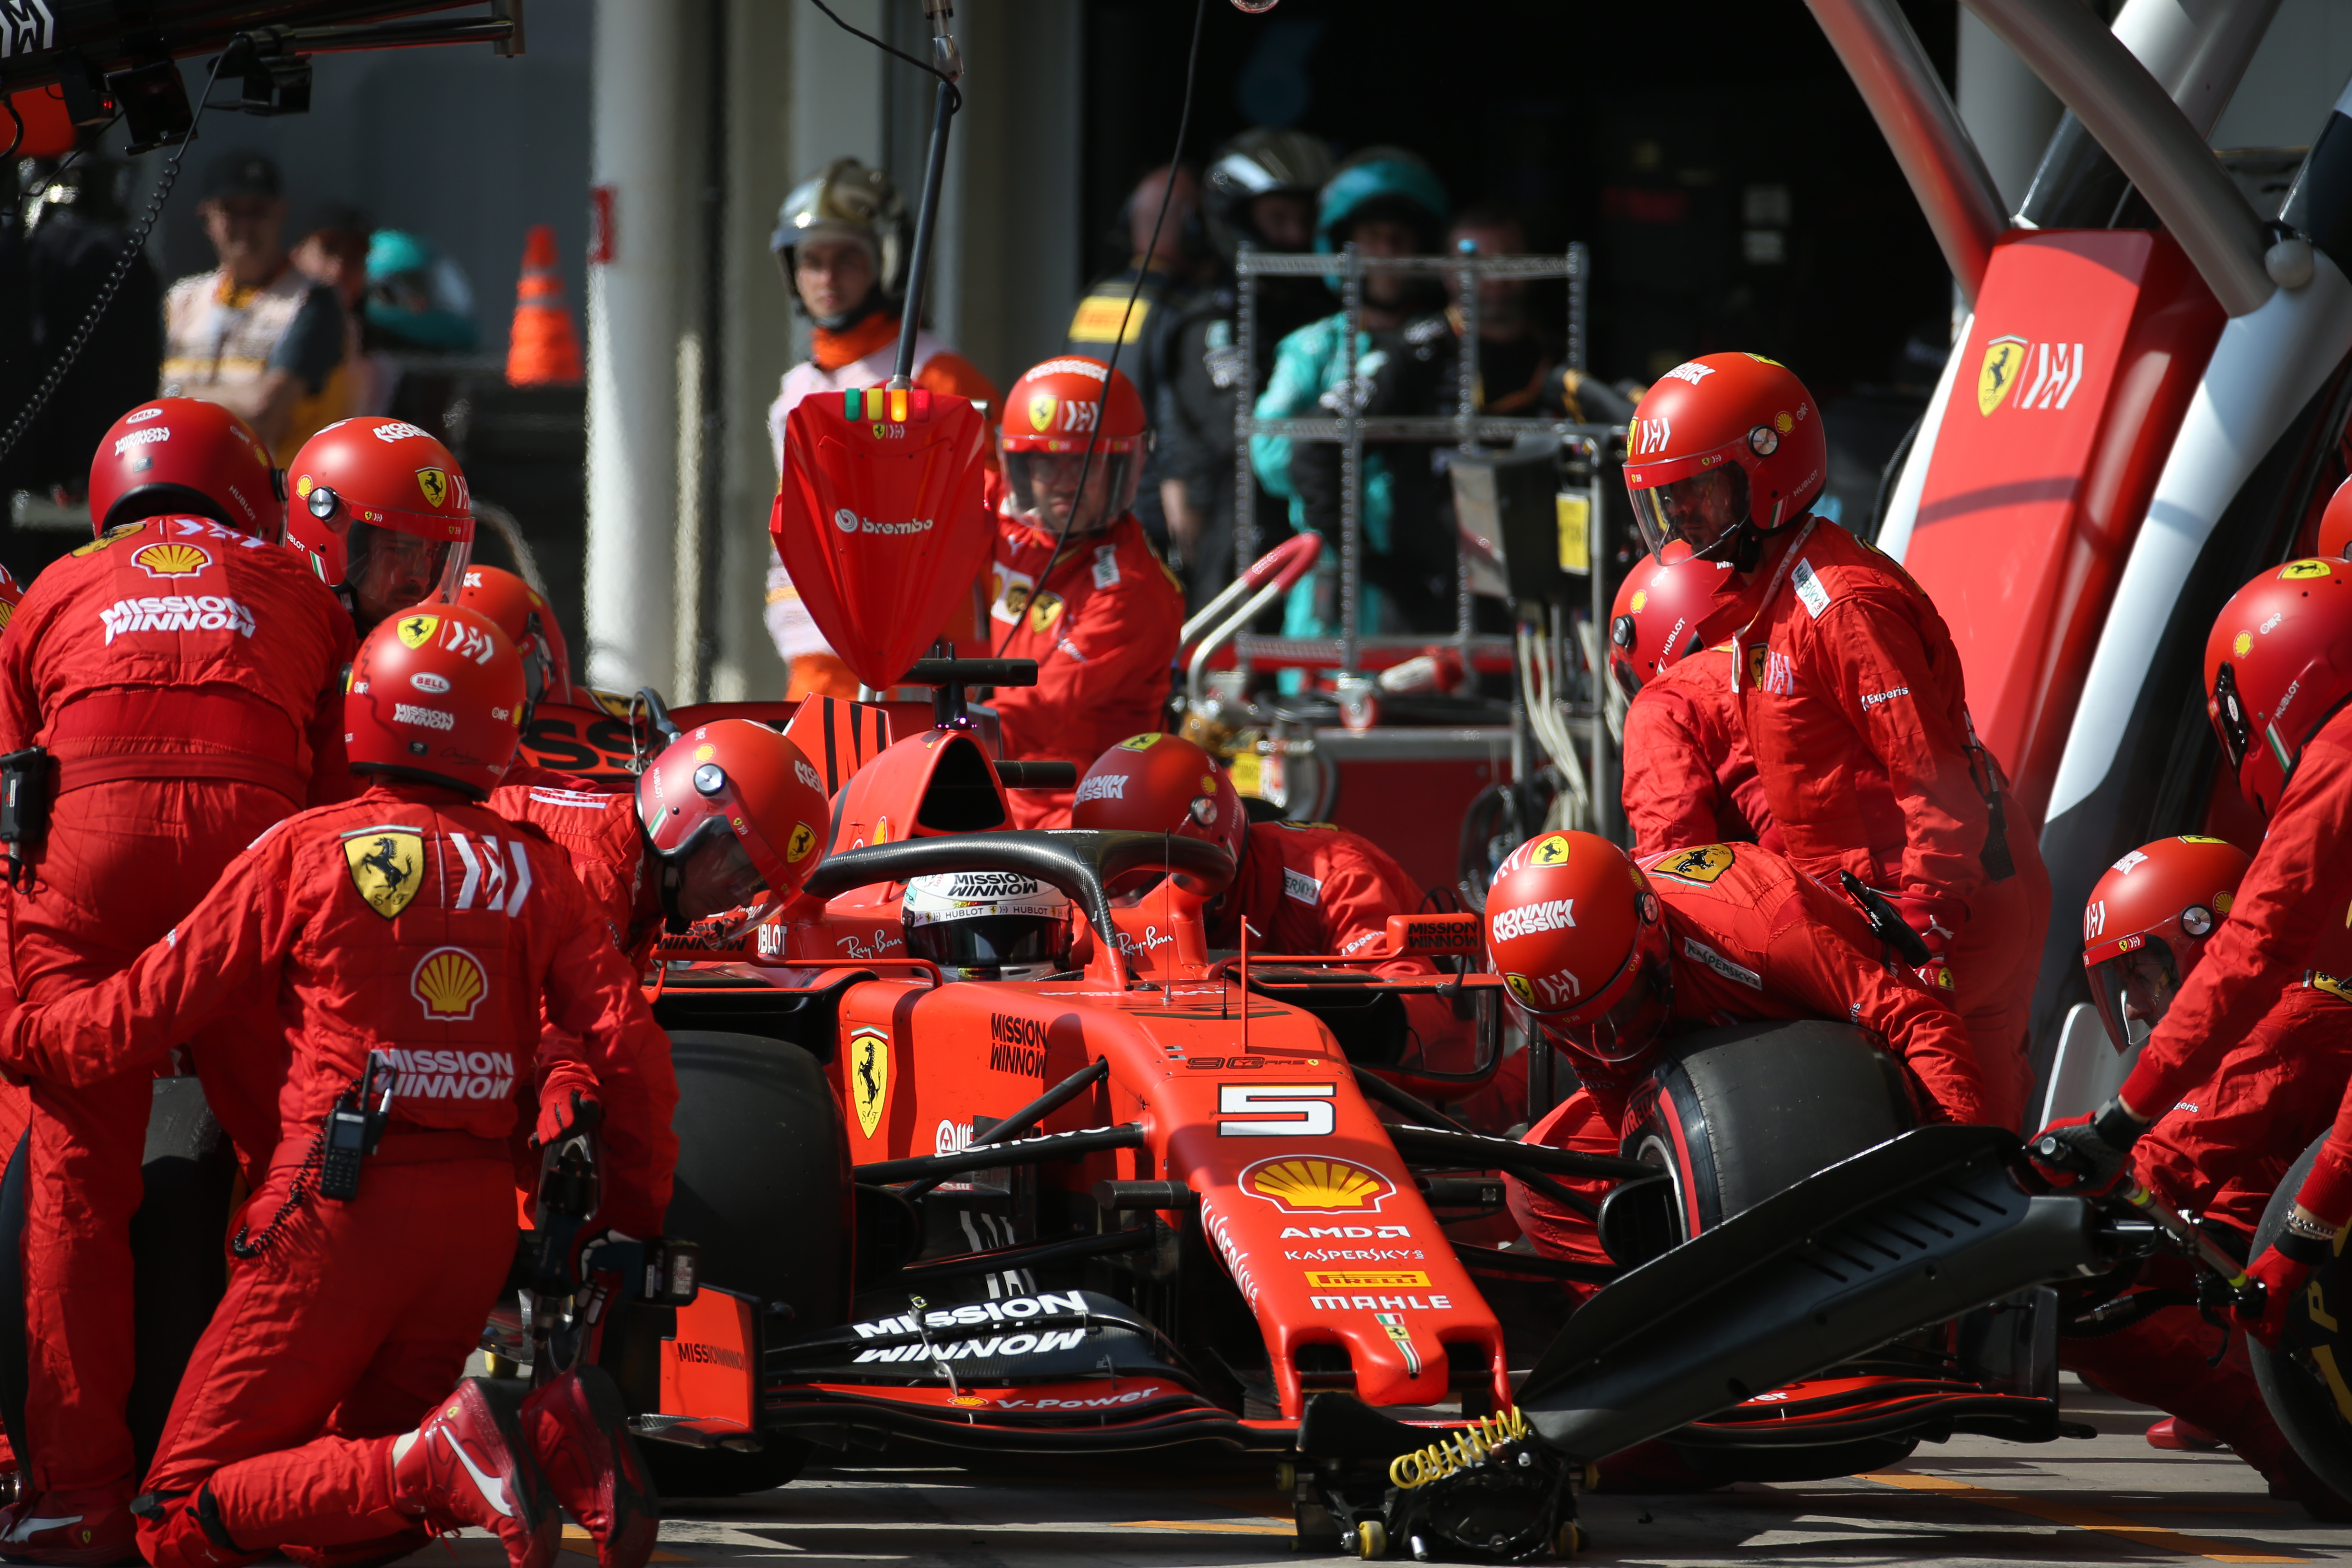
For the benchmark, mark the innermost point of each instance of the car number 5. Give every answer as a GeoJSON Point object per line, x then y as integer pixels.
{"type": "Point", "coordinates": [1276, 1110]}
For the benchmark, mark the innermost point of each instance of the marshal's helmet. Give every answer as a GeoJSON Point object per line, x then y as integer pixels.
{"type": "Point", "coordinates": [182, 456]}
{"type": "Point", "coordinates": [383, 506]}
{"type": "Point", "coordinates": [1162, 783]}
{"type": "Point", "coordinates": [744, 786]}
{"type": "Point", "coordinates": [846, 200]}
{"type": "Point", "coordinates": [1260, 162]}
{"type": "Point", "coordinates": [2278, 664]}
{"type": "Point", "coordinates": [1721, 448]}
{"type": "Point", "coordinates": [1579, 940]}
{"type": "Point", "coordinates": [1051, 416]}
{"type": "Point", "coordinates": [435, 695]}
{"type": "Point", "coordinates": [2146, 924]}
{"type": "Point", "coordinates": [530, 622]}
{"type": "Point", "coordinates": [1663, 614]}
{"type": "Point", "coordinates": [988, 925]}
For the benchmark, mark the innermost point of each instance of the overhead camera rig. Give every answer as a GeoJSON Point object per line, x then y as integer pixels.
{"type": "Point", "coordinates": [112, 58]}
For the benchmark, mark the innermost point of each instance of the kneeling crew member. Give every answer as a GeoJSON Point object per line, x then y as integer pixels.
{"type": "Point", "coordinates": [1102, 625]}
{"type": "Point", "coordinates": [1690, 775]}
{"type": "Point", "coordinates": [529, 621]}
{"type": "Point", "coordinates": [1692, 939]}
{"type": "Point", "coordinates": [2278, 682]}
{"type": "Point", "coordinates": [1301, 886]}
{"type": "Point", "coordinates": [183, 674]}
{"type": "Point", "coordinates": [353, 1304]}
{"type": "Point", "coordinates": [2221, 1153]}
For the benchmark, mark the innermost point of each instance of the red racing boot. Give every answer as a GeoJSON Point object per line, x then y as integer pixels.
{"type": "Point", "coordinates": [2174, 1432]}
{"type": "Point", "coordinates": [72, 1530]}
{"type": "Point", "coordinates": [580, 1437]}
{"type": "Point", "coordinates": [469, 1464]}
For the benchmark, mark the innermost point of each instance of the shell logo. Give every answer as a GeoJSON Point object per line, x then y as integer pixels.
{"type": "Point", "coordinates": [172, 559]}
{"type": "Point", "coordinates": [1640, 599]}
{"type": "Point", "coordinates": [449, 984]}
{"type": "Point", "coordinates": [1317, 1183]}
{"type": "Point", "coordinates": [705, 751]}
{"type": "Point", "coordinates": [2244, 645]}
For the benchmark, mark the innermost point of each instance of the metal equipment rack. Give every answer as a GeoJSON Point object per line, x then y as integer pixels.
{"type": "Point", "coordinates": [1465, 429]}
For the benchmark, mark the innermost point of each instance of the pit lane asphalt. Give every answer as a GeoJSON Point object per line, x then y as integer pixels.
{"type": "Point", "coordinates": [2111, 1499]}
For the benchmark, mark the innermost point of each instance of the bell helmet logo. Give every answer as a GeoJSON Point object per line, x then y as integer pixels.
{"type": "Point", "coordinates": [425, 680]}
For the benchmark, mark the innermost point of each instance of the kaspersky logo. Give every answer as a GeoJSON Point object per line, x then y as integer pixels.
{"type": "Point", "coordinates": [2051, 372]}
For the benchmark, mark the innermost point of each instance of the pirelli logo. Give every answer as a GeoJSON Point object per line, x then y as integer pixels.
{"type": "Point", "coordinates": [1367, 1280]}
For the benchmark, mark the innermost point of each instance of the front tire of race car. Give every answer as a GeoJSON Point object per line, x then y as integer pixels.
{"type": "Point", "coordinates": [2294, 1377]}
{"type": "Point", "coordinates": [764, 1186]}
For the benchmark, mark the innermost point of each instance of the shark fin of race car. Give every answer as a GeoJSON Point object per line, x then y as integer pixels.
{"type": "Point", "coordinates": [880, 520]}
{"type": "Point", "coordinates": [1919, 1229]}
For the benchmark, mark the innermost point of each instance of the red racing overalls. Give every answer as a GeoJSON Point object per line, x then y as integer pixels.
{"type": "Point", "coordinates": [1690, 776]}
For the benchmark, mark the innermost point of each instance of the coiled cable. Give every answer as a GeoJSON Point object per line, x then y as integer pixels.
{"type": "Point", "coordinates": [1473, 1444]}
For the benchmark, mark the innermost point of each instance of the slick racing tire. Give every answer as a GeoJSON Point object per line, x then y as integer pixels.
{"type": "Point", "coordinates": [1735, 1115]}
{"type": "Point", "coordinates": [764, 1186]}
{"type": "Point", "coordinates": [191, 1182]}
{"type": "Point", "coordinates": [2296, 1377]}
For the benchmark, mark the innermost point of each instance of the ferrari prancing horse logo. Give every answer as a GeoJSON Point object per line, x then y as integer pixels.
{"type": "Point", "coordinates": [1701, 865]}
{"type": "Point", "coordinates": [2003, 358]}
{"type": "Point", "coordinates": [435, 483]}
{"type": "Point", "coordinates": [387, 865]}
{"type": "Point", "coordinates": [869, 1076]}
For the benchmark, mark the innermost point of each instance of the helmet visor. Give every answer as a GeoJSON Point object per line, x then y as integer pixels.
{"type": "Point", "coordinates": [390, 570]}
{"type": "Point", "coordinates": [1635, 1021]}
{"type": "Point", "coordinates": [1045, 486]}
{"type": "Point", "coordinates": [1703, 511]}
{"type": "Point", "coordinates": [2133, 990]}
{"type": "Point", "coordinates": [995, 947]}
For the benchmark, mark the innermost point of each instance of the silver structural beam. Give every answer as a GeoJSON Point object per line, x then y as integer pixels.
{"type": "Point", "coordinates": [1916, 115]}
{"type": "Point", "coordinates": [2150, 140]}
{"type": "Point", "coordinates": [2197, 52]}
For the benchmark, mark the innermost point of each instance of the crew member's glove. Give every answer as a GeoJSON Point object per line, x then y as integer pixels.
{"type": "Point", "coordinates": [605, 1250]}
{"type": "Point", "coordinates": [2279, 1277]}
{"type": "Point", "coordinates": [562, 1113]}
{"type": "Point", "coordinates": [2087, 1155]}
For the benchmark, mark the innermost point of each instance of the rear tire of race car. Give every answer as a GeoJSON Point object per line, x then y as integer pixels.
{"type": "Point", "coordinates": [1737, 1114]}
{"type": "Point", "coordinates": [2295, 1390]}
{"type": "Point", "coordinates": [764, 1186]}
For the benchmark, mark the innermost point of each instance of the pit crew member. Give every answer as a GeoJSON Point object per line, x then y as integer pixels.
{"type": "Point", "coordinates": [350, 1308]}
{"type": "Point", "coordinates": [841, 238]}
{"type": "Point", "coordinates": [1301, 886]}
{"type": "Point", "coordinates": [1102, 624]}
{"type": "Point", "coordinates": [183, 676]}
{"type": "Point", "coordinates": [529, 621]}
{"type": "Point", "coordinates": [1852, 694]}
{"type": "Point", "coordinates": [383, 509]}
{"type": "Point", "coordinates": [2278, 677]}
{"type": "Point", "coordinates": [2221, 1152]}
{"type": "Point", "coordinates": [1690, 777]}
{"type": "Point", "coordinates": [1607, 958]}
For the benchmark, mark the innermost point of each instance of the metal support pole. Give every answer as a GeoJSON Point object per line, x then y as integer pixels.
{"type": "Point", "coordinates": [1246, 544]}
{"type": "Point", "coordinates": [1601, 775]}
{"type": "Point", "coordinates": [1579, 289]}
{"type": "Point", "coordinates": [1467, 414]}
{"type": "Point", "coordinates": [919, 263]}
{"type": "Point", "coordinates": [1351, 470]}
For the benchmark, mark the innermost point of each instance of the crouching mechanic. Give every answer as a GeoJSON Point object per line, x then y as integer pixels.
{"type": "Point", "coordinates": [182, 675]}
{"type": "Point", "coordinates": [2220, 1153]}
{"type": "Point", "coordinates": [1300, 886]}
{"type": "Point", "coordinates": [321, 1413]}
{"type": "Point", "coordinates": [2278, 679]}
{"type": "Point", "coordinates": [1692, 939]}
{"type": "Point", "coordinates": [1690, 775]}
{"type": "Point", "coordinates": [1102, 622]}
{"type": "Point", "coordinates": [530, 622]}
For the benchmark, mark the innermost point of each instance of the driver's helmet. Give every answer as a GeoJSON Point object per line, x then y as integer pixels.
{"type": "Point", "coordinates": [2278, 664]}
{"type": "Point", "coordinates": [1162, 783]}
{"type": "Point", "coordinates": [988, 925]}
{"type": "Point", "coordinates": [1579, 940]}
{"type": "Point", "coordinates": [743, 786]}
{"type": "Point", "coordinates": [183, 456]}
{"type": "Point", "coordinates": [1664, 613]}
{"type": "Point", "coordinates": [2146, 925]}
{"type": "Point", "coordinates": [1735, 421]}
{"type": "Point", "coordinates": [382, 498]}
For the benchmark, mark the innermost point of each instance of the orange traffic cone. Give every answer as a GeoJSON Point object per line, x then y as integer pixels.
{"type": "Point", "coordinates": [542, 350]}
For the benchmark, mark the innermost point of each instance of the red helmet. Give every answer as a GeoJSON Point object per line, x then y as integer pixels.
{"type": "Point", "coordinates": [1162, 783]}
{"type": "Point", "coordinates": [1666, 613]}
{"type": "Point", "coordinates": [739, 778]}
{"type": "Point", "coordinates": [1051, 416]}
{"type": "Point", "coordinates": [358, 484]}
{"type": "Point", "coordinates": [2336, 526]}
{"type": "Point", "coordinates": [529, 623]}
{"type": "Point", "coordinates": [436, 694]}
{"type": "Point", "coordinates": [184, 457]}
{"type": "Point", "coordinates": [2145, 925]}
{"type": "Point", "coordinates": [1743, 415]}
{"type": "Point", "coordinates": [1580, 941]}
{"type": "Point", "coordinates": [2278, 663]}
